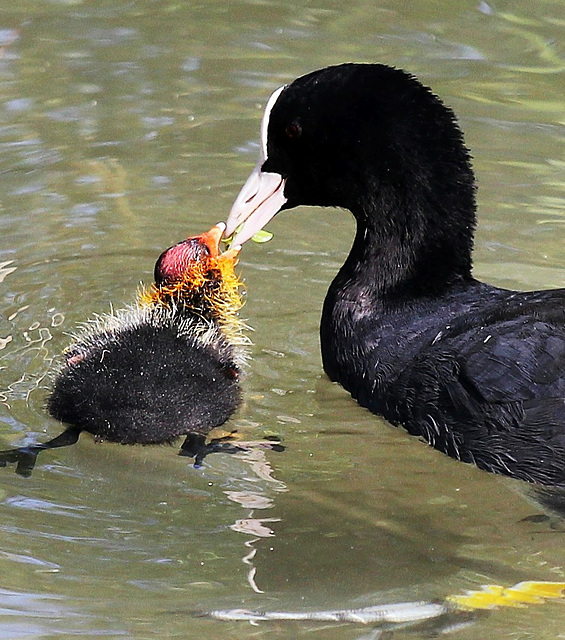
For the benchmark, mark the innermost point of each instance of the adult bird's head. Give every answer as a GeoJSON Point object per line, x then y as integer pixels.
{"type": "Point", "coordinates": [371, 139]}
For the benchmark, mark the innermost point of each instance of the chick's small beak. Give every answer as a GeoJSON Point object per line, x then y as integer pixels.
{"type": "Point", "coordinates": [212, 238]}
{"type": "Point", "coordinates": [231, 255]}
{"type": "Point", "coordinates": [259, 200]}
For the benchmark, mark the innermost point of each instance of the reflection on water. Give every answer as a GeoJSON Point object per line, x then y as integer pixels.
{"type": "Point", "coordinates": [126, 127]}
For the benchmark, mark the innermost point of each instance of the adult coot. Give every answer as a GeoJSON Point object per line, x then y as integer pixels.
{"type": "Point", "coordinates": [477, 371]}
{"type": "Point", "coordinates": [165, 367]}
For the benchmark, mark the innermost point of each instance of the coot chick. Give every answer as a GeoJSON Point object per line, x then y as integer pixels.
{"type": "Point", "coordinates": [477, 371]}
{"type": "Point", "coordinates": [165, 367]}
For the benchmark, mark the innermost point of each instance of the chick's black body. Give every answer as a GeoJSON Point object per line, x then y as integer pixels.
{"type": "Point", "coordinates": [147, 382]}
{"type": "Point", "coordinates": [477, 371]}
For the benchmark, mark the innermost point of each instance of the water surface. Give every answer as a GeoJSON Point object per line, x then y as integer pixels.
{"type": "Point", "coordinates": [124, 127]}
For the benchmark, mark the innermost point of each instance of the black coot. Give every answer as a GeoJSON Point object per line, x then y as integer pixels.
{"type": "Point", "coordinates": [165, 367]}
{"type": "Point", "coordinates": [477, 371]}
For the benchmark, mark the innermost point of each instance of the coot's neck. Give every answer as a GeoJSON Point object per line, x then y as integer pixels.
{"type": "Point", "coordinates": [407, 246]}
{"type": "Point", "coordinates": [401, 259]}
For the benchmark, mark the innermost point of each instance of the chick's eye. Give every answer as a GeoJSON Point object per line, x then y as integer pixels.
{"type": "Point", "coordinates": [293, 130]}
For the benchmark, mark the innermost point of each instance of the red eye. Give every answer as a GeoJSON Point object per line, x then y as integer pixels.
{"type": "Point", "coordinates": [293, 130]}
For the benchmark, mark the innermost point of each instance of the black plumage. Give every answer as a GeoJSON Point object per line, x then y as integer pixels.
{"type": "Point", "coordinates": [476, 370]}
{"type": "Point", "coordinates": [148, 382]}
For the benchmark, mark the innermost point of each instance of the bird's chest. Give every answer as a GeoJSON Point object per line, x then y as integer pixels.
{"type": "Point", "coordinates": [366, 349]}
{"type": "Point", "coordinates": [358, 346]}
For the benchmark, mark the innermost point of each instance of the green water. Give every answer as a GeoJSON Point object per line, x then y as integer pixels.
{"type": "Point", "coordinates": [124, 127]}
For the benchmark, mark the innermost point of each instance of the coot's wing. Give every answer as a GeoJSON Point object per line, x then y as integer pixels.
{"type": "Point", "coordinates": [492, 394]}
{"type": "Point", "coordinates": [520, 359]}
